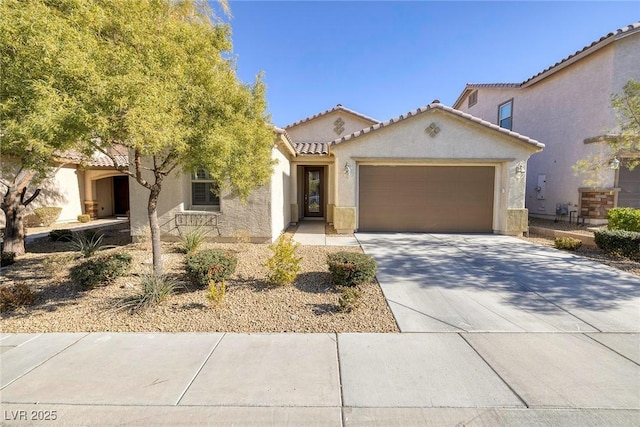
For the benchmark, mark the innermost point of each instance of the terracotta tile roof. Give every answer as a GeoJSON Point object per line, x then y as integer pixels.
{"type": "Point", "coordinates": [587, 50]}
{"type": "Point", "coordinates": [338, 107]}
{"type": "Point", "coordinates": [438, 106]}
{"type": "Point", "coordinates": [312, 147]}
{"type": "Point", "coordinates": [97, 160]}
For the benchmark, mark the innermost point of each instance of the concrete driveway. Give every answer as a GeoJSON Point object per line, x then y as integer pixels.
{"type": "Point", "coordinates": [491, 283]}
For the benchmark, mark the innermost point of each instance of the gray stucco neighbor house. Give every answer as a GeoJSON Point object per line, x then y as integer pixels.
{"type": "Point", "coordinates": [568, 106]}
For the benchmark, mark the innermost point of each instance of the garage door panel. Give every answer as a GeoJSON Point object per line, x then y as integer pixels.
{"type": "Point", "coordinates": [426, 198]}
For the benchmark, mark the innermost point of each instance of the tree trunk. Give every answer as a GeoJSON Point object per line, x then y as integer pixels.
{"type": "Point", "coordinates": [14, 226]}
{"type": "Point", "coordinates": [13, 205]}
{"type": "Point", "coordinates": [154, 225]}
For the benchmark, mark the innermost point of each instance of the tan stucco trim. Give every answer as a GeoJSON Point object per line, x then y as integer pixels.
{"type": "Point", "coordinates": [431, 162]}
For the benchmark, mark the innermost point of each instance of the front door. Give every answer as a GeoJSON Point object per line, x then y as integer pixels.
{"type": "Point", "coordinates": [313, 192]}
{"type": "Point", "coordinates": [120, 195]}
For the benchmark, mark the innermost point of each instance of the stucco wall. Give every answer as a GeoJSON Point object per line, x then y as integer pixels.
{"type": "Point", "coordinates": [63, 189]}
{"type": "Point", "coordinates": [104, 197]}
{"type": "Point", "coordinates": [280, 194]}
{"type": "Point", "coordinates": [321, 129]}
{"type": "Point", "coordinates": [459, 142]}
{"type": "Point", "coordinates": [562, 111]}
{"type": "Point", "coordinates": [235, 219]}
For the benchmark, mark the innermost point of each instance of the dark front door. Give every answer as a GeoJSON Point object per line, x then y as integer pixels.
{"type": "Point", "coordinates": [120, 195]}
{"type": "Point", "coordinates": [313, 192]}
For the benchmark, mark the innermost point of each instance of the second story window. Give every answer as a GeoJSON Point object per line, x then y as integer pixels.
{"type": "Point", "coordinates": [505, 115]}
{"type": "Point", "coordinates": [473, 98]}
{"type": "Point", "coordinates": [204, 190]}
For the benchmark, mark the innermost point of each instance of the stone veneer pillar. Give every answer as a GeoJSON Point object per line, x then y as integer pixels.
{"type": "Point", "coordinates": [91, 208]}
{"type": "Point", "coordinates": [596, 202]}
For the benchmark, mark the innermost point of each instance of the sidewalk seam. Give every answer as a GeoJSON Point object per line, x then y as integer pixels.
{"type": "Point", "coordinates": [496, 372]}
{"type": "Point", "coordinates": [342, 420]}
{"type": "Point", "coordinates": [586, 334]}
{"type": "Point", "coordinates": [199, 369]}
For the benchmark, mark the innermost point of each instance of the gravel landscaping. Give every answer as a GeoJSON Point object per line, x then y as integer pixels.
{"type": "Point", "coordinates": [250, 305]}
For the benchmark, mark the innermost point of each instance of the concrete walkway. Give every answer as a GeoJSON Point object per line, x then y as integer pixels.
{"type": "Point", "coordinates": [312, 233]}
{"type": "Point", "coordinates": [430, 379]}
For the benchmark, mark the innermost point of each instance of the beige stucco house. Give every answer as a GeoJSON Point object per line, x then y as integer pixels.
{"type": "Point", "coordinates": [568, 106]}
{"type": "Point", "coordinates": [432, 169]}
{"type": "Point", "coordinates": [80, 186]}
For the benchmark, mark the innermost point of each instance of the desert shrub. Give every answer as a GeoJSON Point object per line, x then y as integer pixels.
{"type": "Point", "coordinates": [48, 215]}
{"type": "Point", "coordinates": [101, 269]}
{"type": "Point", "coordinates": [61, 235]}
{"type": "Point", "coordinates": [191, 241]}
{"type": "Point", "coordinates": [283, 265]}
{"type": "Point", "coordinates": [216, 291]}
{"type": "Point", "coordinates": [14, 296]}
{"type": "Point", "coordinates": [56, 265]}
{"type": "Point", "coordinates": [620, 242]}
{"type": "Point", "coordinates": [88, 242]}
{"type": "Point", "coordinates": [568, 243]}
{"type": "Point", "coordinates": [349, 299]}
{"type": "Point", "coordinates": [210, 264]}
{"type": "Point", "coordinates": [351, 268]}
{"type": "Point", "coordinates": [627, 219]}
{"type": "Point", "coordinates": [153, 291]}
{"type": "Point", "coordinates": [84, 218]}
{"type": "Point", "coordinates": [7, 258]}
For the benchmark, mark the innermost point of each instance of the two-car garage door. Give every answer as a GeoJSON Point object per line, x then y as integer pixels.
{"type": "Point", "coordinates": [426, 198]}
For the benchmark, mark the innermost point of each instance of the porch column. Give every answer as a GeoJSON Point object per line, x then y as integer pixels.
{"type": "Point", "coordinates": [90, 204]}
{"type": "Point", "coordinates": [293, 193]}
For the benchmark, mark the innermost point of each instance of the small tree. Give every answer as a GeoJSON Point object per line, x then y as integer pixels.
{"type": "Point", "coordinates": [173, 101]}
{"type": "Point", "coordinates": [45, 70]}
{"type": "Point", "coordinates": [623, 144]}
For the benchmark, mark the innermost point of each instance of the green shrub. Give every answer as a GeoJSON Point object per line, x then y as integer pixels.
{"type": "Point", "coordinates": [84, 218]}
{"type": "Point", "coordinates": [568, 243]}
{"type": "Point", "coordinates": [61, 235]}
{"type": "Point", "coordinates": [101, 270]}
{"type": "Point", "coordinates": [351, 268]}
{"type": "Point", "coordinates": [620, 242]}
{"type": "Point", "coordinates": [210, 264]}
{"type": "Point", "coordinates": [7, 258]}
{"type": "Point", "coordinates": [48, 215]}
{"type": "Point", "coordinates": [284, 265]}
{"type": "Point", "coordinates": [14, 296]}
{"type": "Point", "coordinates": [153, 291]}
{"type": "Point", "coordinates": [193, 239]}
{"type": "Point", "coordinates": [349, 299]}
{"type": "Point", "coordinates": [88, 242]}
{"type": "Point", "coordinates": [627, 219]}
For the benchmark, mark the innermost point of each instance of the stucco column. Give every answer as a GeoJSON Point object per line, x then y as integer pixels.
{"type": "Point", "coordinates": [90, 204]}
{"type": "Point", "coordinates": [293, 192]}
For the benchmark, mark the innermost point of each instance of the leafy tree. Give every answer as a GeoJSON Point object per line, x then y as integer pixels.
{"type": "Point", "coordinates": [169, 95]}
{"type": "Point", "coordinates": [623, 144]}
{"type": "Point", "coordinates": [627, 106]}
{"type": "Point", "coordinates": [44, 72]}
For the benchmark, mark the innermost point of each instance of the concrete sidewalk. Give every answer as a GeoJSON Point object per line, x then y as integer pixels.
{"type": "Point", "coordinates": [432, 379]}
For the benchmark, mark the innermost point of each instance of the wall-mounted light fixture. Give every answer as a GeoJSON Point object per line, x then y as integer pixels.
{"type": "Point", "coordinates": [614, 163]}
{"type": "Point", "coordinates": [520, 170]}
{"type": "Point", "coordinates": [347, 169]}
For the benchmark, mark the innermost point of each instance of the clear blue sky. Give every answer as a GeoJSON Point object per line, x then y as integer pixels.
{"type": "Point", "coordinates": [384, 58]}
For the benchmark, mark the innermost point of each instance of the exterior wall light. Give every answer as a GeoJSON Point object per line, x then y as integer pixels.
{"type": "Point", "coordinates": [520, 170]}
{"type": "Point", "coordinates": [614, 163]}
{"type": "Point", "coordinates": [347, 169]}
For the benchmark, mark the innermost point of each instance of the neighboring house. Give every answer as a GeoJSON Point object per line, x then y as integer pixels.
{"type": "Point", "coordinates": [432, 169]}
{"type": "Point", "coordinates": [568, 106]}
{"type": "Point", "coordinates": [78, 186]}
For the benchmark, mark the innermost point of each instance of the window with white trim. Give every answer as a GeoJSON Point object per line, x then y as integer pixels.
{"type": "Point", "coordinates": [473, 98]}
{"type": "Point", "coordinates": [204, 190]}
{"type": "Point", "coordinates": [505, 114]}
